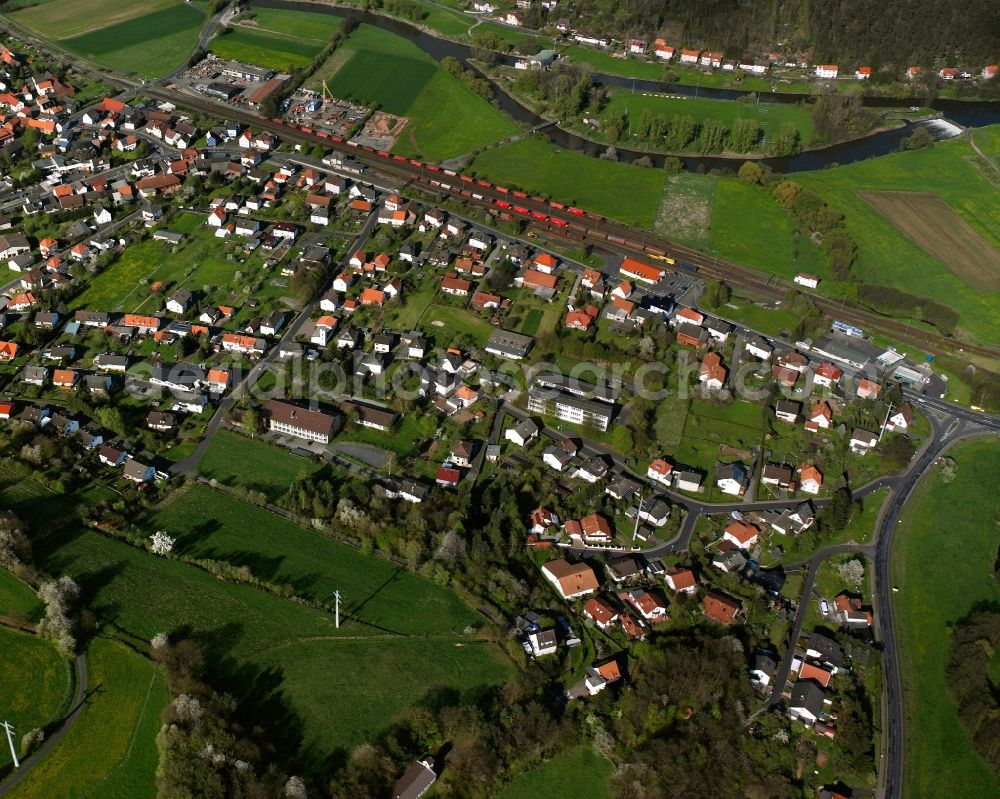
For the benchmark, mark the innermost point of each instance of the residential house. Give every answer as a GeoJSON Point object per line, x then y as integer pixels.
{"type": "Point", "coordinates": [681, 581]}
{"type": "Point", "coordinates": [787, 411]}
{"type": "Point", "coordinates": [862, 441]}
{"type": "Point", "coordinates": [600, 612]}
{"type": "Point", "coordinates": [661, 471]}
{"type": "Point", "coordinates": [850, 612]}
{"type": "Point", "coordinates": [820, 417]}
{"type": "Point", "coordinates": [651, 606]}
{"type": "Point", "coordinates": [712, 373]}
{"type": "Point", "coordinates": [522, 433]}
{"type": "Point", "coordinates": [138, 472]}
{"type": "Point", "coordinates": [742, 534]}
{"type": "Point", "coordinates": [571, 580]}
{"type": "Point", "coordinates": [807, 703]}
{"type": "Point", "coordinates": [732, 479]}
{"type": "Point", "coordinates": [899, 422]}
{"type": "Point", "coordinates": [720, 608]}
{"type": "Point", "coordinates": [810, 479]}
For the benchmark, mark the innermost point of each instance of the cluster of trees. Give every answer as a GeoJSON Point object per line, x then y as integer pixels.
{"type": "Point", "coordinates": [973, 641]}
{"type": "Point", "coordinates": [15, 546]}
{"type": "Point", "coordinates": [812, 216]}
{"type": "Point", "coordinates": [204, 749]}
{"type": "Point", "coordinates": [480, 86]}
{"type": "Point", "coordinates": [901, 303]}
{"type": "Point", "coordinates": [61, 622]}
{"type": "Point", "coordinates": [682, 132]}
{"type": "Point", "coordinates": [564, 91]}
{"type": "Point", "coordinates": [837, 117]}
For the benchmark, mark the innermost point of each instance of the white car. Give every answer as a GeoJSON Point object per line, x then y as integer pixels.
{"type": "Point", "coordinates": [824, 607]}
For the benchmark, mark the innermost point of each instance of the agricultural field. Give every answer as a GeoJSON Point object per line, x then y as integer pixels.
{"type": "Point", "coordinates": [578, 773]}
{"type": "Point", "coordinates": [447, 119]}
{"type": "Point", "coordinates": [310, 25]}
{"type": "Point", "coordinates": [97, 29]}
{"type": "Point", "coordinates": [888, 255]}
{"type": "Point", "coordinates": [620, 191]}
{"type": "Point", "coordinates": [38, 684]}
{"type": "Point", "coordinates": [770, 116]}
{"type": "Point", "coordinates": [111, 749]}
{"type": "Point", "coordinates": [234, 460]}
{"type": "Point", "coordinates": [143, 595]}
{"type": "Point", "coordinates": [379, 597]}
{"type": "Point", "coordinates": [930, 222]}
{"type": "Point", "coordinates": [941, 578]}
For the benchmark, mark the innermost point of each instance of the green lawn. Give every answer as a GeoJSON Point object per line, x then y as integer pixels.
{"type": "Point", "coordinates": [750, 227]}
{"type": "Point", "coordinates": [110, 752]}
{"type": "Point", "coordinates": [37, 682]}
{"type": "Point", "coordinates": [300, 24]}
{"type": "Point", "coordinates": [887, 256]}
{"type": "Point", "coordinates": [17, 599]}
{"type": "Point", "coordinates": [446, 118]}
{"type": "Point", "coordinates": [578, 773]}
{"type": "Point", "coordinates": [620, 191]}
{"type": "Point", "coordinates": [348, 692]}
{"type": "Point", "coordinates": [144, 595]}
{"type": "Point", "coordinates": [771, 321]}
{"type": "Point", "coordinates": [126, 282]}
{"type": "Point", "coordinates": [378, 596]}
{"type": "Point", "coordinates": [403, 316]}
{"type": "Point", "coordinates": [943, 562]}
{"type": "Point", "coordinates": [265, 49]}
{"type": "Point", "coordinates": [173, 26]}
{"type": "Point", "coordinates": [685, 212]}
{"type": "Point", "coordinates": [771, 116]}
{"type": "Point", "coordinates": [443, 322]}
{"type": "Point", "coordinates": [234, 460]}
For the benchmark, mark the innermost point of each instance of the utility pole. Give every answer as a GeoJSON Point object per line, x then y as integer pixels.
{"type": "Point", "coordinates": [336, 600]}
{"type": "Point", "coordinates": [635, 531]}
{"type": "Point", "coordinates": [885, 421]}
{"type": "Point", "coordinates": [10, 741]}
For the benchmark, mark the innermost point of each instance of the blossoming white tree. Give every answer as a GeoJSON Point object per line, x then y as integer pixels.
{"type": "Point", "coordinates": [161, 543]}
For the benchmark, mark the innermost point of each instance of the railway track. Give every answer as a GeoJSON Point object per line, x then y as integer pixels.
{"type": "Point", "coordinates": [575, 224]}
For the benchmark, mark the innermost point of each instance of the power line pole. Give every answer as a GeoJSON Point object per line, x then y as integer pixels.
{"type": "Point", "coordinates": [884, 423]}
{"type": "Point", "coordinates": [336, 605]}
{"type": "Point", "coordinates": [10, 741]}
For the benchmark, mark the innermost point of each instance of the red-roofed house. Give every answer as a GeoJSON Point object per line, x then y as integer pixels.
{"type": "Point", "coordinates": [637, 270]}
{"type": "Point", "coordinates": [661, 471]}
{"type": "Point", "coordinates": [810, 479]}
{"type": "Point", "coordinates": [809, 671]}
{"type": "Point", "coordinates": [602, 614]}
{"type": "Point", "coordinates": [681, 580]}
{"type": "Point", "coordinates": [742, 534]}
{"type": "Point", "coordinates": [720, 608]}
{"type": "Point", "coordinates": [868, 389]}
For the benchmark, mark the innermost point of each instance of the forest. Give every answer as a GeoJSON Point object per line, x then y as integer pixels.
{"type": "Point", "coordinates": [893, 33]}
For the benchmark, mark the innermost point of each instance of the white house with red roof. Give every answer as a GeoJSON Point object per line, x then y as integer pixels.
{"type": "Point", "coordinates": [742, 534]}
{"type": "Point", "coordinates": [681, 581]}
{"type": "Point", "coordinates": [661, 471]}
{"type": "Point", "coordinates": [829, 71]}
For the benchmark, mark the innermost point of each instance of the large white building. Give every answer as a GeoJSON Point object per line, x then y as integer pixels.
{"type": "Point", "coordinates": [299, 422]}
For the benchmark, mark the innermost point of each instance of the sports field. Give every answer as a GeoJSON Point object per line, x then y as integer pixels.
{"type": "Point", "coordinates": [37, 684]}
{"type": "Point", "coordinates": [120, 33]}
{"type": "Point", "coordinates": [446, 118]}
{"type": "Point", "coordinates": [110, 752]}
{"type": "Point", "coordinates": [931, 223]}
{"type": "Point", "coordinates": [619, 191]}
{"type": "Point", "coordinates": [943, 561]}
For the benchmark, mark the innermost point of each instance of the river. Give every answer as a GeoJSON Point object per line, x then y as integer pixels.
{"type": "Point", "coordinates": [966, 114]}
